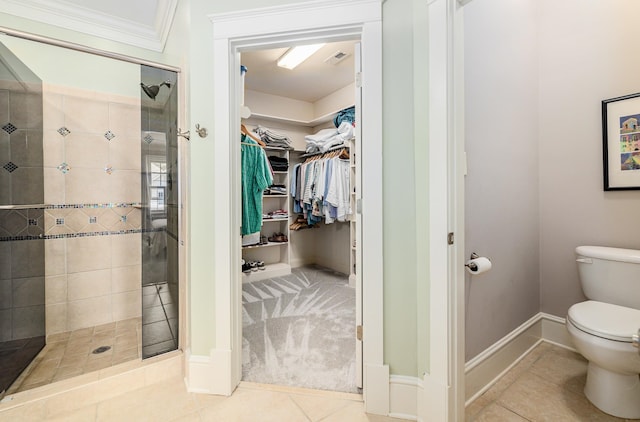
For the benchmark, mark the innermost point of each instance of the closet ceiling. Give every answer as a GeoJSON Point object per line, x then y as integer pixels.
{"type": "Point", "coordinates": [142, 23]}
{"type": "Point", "coordinates": [311, 80]}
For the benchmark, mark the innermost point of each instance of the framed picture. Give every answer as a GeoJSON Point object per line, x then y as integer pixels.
{"type": "Point", "coordinates": [621, 142]}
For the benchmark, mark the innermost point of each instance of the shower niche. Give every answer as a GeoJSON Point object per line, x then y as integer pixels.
{"type": "Point", "coordinates": [89, 215]}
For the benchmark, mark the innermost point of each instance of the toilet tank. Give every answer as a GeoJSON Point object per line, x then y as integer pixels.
{"type": "Point", "coordinates": [610, 275]}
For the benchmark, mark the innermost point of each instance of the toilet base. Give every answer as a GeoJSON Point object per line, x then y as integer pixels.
{"type": "Point", "coordinates": [613, 393]}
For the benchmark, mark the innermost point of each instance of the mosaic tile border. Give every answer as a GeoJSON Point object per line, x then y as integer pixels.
{"type": "Point", "coordinates": [56, 221]}
{"type": "Point", "coordinates": [74, 235]}
{"type": "Point", "coordinates": [105, 205]}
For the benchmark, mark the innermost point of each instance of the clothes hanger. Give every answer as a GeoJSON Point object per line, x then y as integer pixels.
{"type": "Point", "coordinates": [244, 130]}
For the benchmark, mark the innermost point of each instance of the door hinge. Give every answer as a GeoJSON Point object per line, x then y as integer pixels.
{"type": "Point", "coordinates": [359, 332]}
{"type": "Point", "coordinates": [358, 79]}
{"type": "Point", "coordinates": [450, 238]}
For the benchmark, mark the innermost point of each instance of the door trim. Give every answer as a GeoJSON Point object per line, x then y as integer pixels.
{"type": "Point", "coordinates": [274, 26]}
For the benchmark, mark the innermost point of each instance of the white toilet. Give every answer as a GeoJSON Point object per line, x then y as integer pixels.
{"type": "Point", "coordinates": [602, 328]}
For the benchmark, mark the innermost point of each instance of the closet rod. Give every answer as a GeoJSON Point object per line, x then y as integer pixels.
{"type": "Point", "coordinates": [311, 154]}
{"type": "Point", "coordinates": [250, 145]}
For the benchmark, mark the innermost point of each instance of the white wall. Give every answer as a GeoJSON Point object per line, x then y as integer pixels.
{"type": "Point", "coordinates": [584, 59]}
{"type": "Point", "coordinates": [501, 89]}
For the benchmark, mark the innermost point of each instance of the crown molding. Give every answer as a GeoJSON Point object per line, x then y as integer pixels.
{"type": "Point", "coordinates": [98, 24]}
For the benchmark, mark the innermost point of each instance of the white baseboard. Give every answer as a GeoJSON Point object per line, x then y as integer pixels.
{"type": "Point", "coordinates": [400, 396]}
{"type": "Point", "coordinates": [484, 370]}
{"type": "Point", "coordinates": [403, 396]}
{"type": "Point", "coordinates": [209, 374]}
{"type": "Point", "coordinates": [554, 331]}
{"type": "Point", "coordinates": [376, 391]}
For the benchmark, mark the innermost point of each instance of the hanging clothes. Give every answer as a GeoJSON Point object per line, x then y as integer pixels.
{"type": "Point", "coordinates": [256, 177]}
{"type": "Point", "coordinates": [320, 188]}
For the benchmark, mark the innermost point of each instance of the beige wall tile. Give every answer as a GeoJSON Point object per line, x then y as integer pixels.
{"type": "Point", "coordinates": [125, 186]}
{"type": "Point", "coordinates": [89, 312]}
{"type": "Point", "coordinates": [86, 150]}
{"type": "Point", "coordinates": [87, 186]}
{"type": "Point", "coordinates": [56, 318]}
{"type": "Point", "coordinates": [88, 253]}
{"type": "Point", "coordinates": [126, 279]}
{"type": "Point", "coordinates": [124, 120]}
{"type": "Point", "coordinates": [84, 115]}
{"type": "Point", "coordinates": [77, 221]}
{"type": "Point", "coordinates": [55, 288]}
{"type": "Point", "coordinates": [126, 305]}
{"type": "Point", "coordinates": [55, 256]}
{"type": "Point", "coordinates": [54, 186]}
{"type": "Point", "coordinates": [88, 284]}
{"type": "Point", "coordinates": [76, 399]}
{"type": "Point", "coordinates": [163, 370]}
{"type": "Point", "coordinates": [124, 153]}
{"type": "Point", "coordinates": [52, 148]}
{"type": "Point", "coordinates": [52, 113]}
{"type": "Point", "coordinates": [126, 250]}
{"type": "Point", "coordinates": [29, 412]}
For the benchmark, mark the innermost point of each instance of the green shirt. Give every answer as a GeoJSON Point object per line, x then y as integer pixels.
{"type": "Point", "coordinates": [256, 177]}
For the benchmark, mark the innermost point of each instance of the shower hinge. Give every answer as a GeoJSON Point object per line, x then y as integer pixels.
{"type": "Point", "coordinates": [359, 332]}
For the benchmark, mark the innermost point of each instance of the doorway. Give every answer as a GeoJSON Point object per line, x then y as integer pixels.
{"type": "Point", "coordinates": [276, 27]}
{"type": "Point", "coordinates": [300, 281]}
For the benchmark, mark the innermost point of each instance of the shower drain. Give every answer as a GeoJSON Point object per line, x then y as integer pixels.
{"type": "Point", "coordinates": [101, 349]}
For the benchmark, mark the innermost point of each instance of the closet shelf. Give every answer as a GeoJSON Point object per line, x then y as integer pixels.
{"type": "Point", "coordinates": [267, 220]}
{"type": "Point", "coordinates": [297, 122]}
{"type": "Point", "coordinates": [274, 196]}
{"type": "Point", "coordinates": [280, 172]}
{"type": "Point", "coordinates": [266, 245]}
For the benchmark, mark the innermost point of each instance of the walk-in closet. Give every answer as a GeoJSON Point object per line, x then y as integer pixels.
{"type": "Point", "coordinates": [299, 178]}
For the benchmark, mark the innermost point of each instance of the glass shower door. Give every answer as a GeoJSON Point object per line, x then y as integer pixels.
{"type": "Point", "coordinates": [22, 260]}
{"type": "Point", "coordinates": [160, 287]}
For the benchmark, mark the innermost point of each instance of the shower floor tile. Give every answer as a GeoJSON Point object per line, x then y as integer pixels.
{"type": "Point", "coordinates": [70, 354]}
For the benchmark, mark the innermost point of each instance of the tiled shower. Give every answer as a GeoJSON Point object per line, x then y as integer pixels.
{"type": "Point", "coordinates": [88, 215]}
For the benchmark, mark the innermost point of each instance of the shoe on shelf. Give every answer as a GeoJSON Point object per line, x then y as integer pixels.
{"type": "Point", "coordinates": [260, 265]}
{"type": "Point", "coordinates": [246, 268]}
{"type": "Point", "coordinates": [278, 238]}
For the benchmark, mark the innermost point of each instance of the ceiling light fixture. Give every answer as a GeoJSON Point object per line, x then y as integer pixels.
{"type": "Point", "coordinates": [296, 55]}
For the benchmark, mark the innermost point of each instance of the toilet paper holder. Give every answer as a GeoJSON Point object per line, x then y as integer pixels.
{"type": "Point", "coordinates": [472, 265]}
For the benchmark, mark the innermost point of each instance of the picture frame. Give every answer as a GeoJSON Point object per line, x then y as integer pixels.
{"type": "Point", "coordinates": [621, 142]}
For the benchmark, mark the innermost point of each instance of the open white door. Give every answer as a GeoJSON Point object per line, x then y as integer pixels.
{"type": "Point", "coordinates": [357, 248]}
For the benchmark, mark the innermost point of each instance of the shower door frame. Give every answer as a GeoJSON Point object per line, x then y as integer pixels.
{"type": "Point", "coordinates": [183, 157]}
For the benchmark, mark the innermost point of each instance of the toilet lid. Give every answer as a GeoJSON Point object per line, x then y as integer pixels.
{"type": "Point", "coordinates": [605, 320]}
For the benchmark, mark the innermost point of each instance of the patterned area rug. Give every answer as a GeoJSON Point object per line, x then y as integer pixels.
{"type": "Point", "coordinates": [299, 330]}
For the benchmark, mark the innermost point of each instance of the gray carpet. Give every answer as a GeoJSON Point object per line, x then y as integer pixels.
{"type": "Point", "coordinates": [299, 330]}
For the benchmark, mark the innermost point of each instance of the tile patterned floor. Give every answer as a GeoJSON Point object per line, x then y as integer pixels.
{"type": "Point", "coordinates": [159, 319]}
{"type": "Point", "coordinates": [69, 354]}
{"type": "Point", "coordinates": [544, 386]}
{"type": "Point", "coordinates": [168, 401]}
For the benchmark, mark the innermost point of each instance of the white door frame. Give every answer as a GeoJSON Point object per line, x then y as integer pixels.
{"type": "Point", "coordinates": [443, 397]}
{"type": "Point", "coordinates": [280, 26]}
